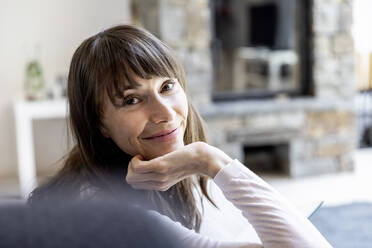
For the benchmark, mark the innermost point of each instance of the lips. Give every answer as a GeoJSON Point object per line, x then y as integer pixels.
{"type": "Point", "coordinates": [162, 133]}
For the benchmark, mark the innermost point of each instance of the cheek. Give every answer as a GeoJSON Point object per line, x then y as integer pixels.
{"type": "Point", "coordinates": [125, 132]}
{"type": "Point", "coordinates": [182, 105]}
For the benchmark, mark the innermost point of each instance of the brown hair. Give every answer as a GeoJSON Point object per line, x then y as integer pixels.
{"type": "Point", "coordinates": [101, 65]}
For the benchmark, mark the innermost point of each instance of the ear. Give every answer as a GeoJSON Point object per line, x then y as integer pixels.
{"type": "Point", "coordinates": [104, 131]}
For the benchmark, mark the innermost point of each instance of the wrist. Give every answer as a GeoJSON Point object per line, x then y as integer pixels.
{"type": "Point", "coordinates": [214, 160]}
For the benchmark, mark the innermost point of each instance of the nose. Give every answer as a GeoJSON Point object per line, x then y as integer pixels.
{"type": "Point", "coordinates": [161, 110]}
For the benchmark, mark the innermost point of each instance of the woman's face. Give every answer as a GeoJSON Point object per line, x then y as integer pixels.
{"type": "Point", "coordinates": [151, 120]}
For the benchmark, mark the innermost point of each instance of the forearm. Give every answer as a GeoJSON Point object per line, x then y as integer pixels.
{"type": "Point", "coordinates": [276, 222]}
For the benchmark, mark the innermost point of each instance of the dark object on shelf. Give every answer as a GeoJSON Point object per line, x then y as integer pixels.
{"type": "Point", "coordinates": [364, 112]}
{"type": "Point", "coordinates": [367, 137]}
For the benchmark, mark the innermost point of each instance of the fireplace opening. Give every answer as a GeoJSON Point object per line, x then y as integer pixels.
{"type": "Point", "coordinates": [267, 159]}
{"type": "Point", "coordinates": [261, 49]}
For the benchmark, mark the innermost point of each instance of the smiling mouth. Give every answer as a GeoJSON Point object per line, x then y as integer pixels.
{"type": "Point", "coordinates": [162, 135]}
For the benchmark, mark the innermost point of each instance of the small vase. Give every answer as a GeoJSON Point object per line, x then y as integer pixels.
{"type": "Point", "coordinates": [34, 81]}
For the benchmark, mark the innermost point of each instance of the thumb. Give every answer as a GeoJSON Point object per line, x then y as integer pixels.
{"type": "Point", "coordinates": [138, 157]}
{"type": "Point", "coordinates": [137, 162]}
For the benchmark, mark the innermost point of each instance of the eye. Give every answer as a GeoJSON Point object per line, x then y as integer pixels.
{"type": "Point", "coordinates": [168, 85]}
{"type": "Point", "coordinates": [131, 100]}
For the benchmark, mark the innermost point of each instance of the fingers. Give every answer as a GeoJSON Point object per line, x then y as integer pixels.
{"type": "Point", "coordinates": [144, 175]}
{"type": "Point", "coordinates": [156, 174]}
{"type": "Point", "coordinates": [138, 165]}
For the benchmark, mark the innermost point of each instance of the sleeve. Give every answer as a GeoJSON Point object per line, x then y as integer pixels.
{"type": "Point", "coordinates": [276, 221]}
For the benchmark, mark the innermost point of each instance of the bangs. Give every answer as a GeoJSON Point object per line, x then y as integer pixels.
{"type": "Point", "coordinates": [122, 58]}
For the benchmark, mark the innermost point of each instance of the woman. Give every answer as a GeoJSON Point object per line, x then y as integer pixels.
{"type": "Point", "coordinates": [134, 125]}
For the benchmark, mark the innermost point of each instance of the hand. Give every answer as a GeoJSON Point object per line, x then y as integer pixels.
{"type": "Point", "coordinates": [163, 172]}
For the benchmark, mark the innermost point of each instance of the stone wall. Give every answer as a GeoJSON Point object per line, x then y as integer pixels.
{"type": "Point", "coordinates": [333, 68]}
{"type": "Point", "coordinates": [319, 130]}
{"type": "Point", "coordinates": [320, 134]}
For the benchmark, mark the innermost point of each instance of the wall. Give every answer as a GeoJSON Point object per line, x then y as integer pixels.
{"type": "Point", "coordinates": [57, 27]}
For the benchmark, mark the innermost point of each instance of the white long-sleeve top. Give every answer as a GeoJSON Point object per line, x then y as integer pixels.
{"type": "Point", "coordinates": [275, 220]}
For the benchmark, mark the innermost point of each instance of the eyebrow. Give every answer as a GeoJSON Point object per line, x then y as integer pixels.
{"type": "Point", "coordinates": [137, 85]}
{"type": "Point", "coordinates": [131, 87]}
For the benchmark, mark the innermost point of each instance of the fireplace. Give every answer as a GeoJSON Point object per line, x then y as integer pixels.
{"type": "Point", "coordinates": [267, 159]}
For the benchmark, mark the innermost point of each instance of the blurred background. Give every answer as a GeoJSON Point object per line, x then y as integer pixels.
{"type": "Point", "coordinates": [284, 86]}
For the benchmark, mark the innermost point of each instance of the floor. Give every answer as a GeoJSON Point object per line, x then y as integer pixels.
{"type": "Point", "coordinates": [333, 189]}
